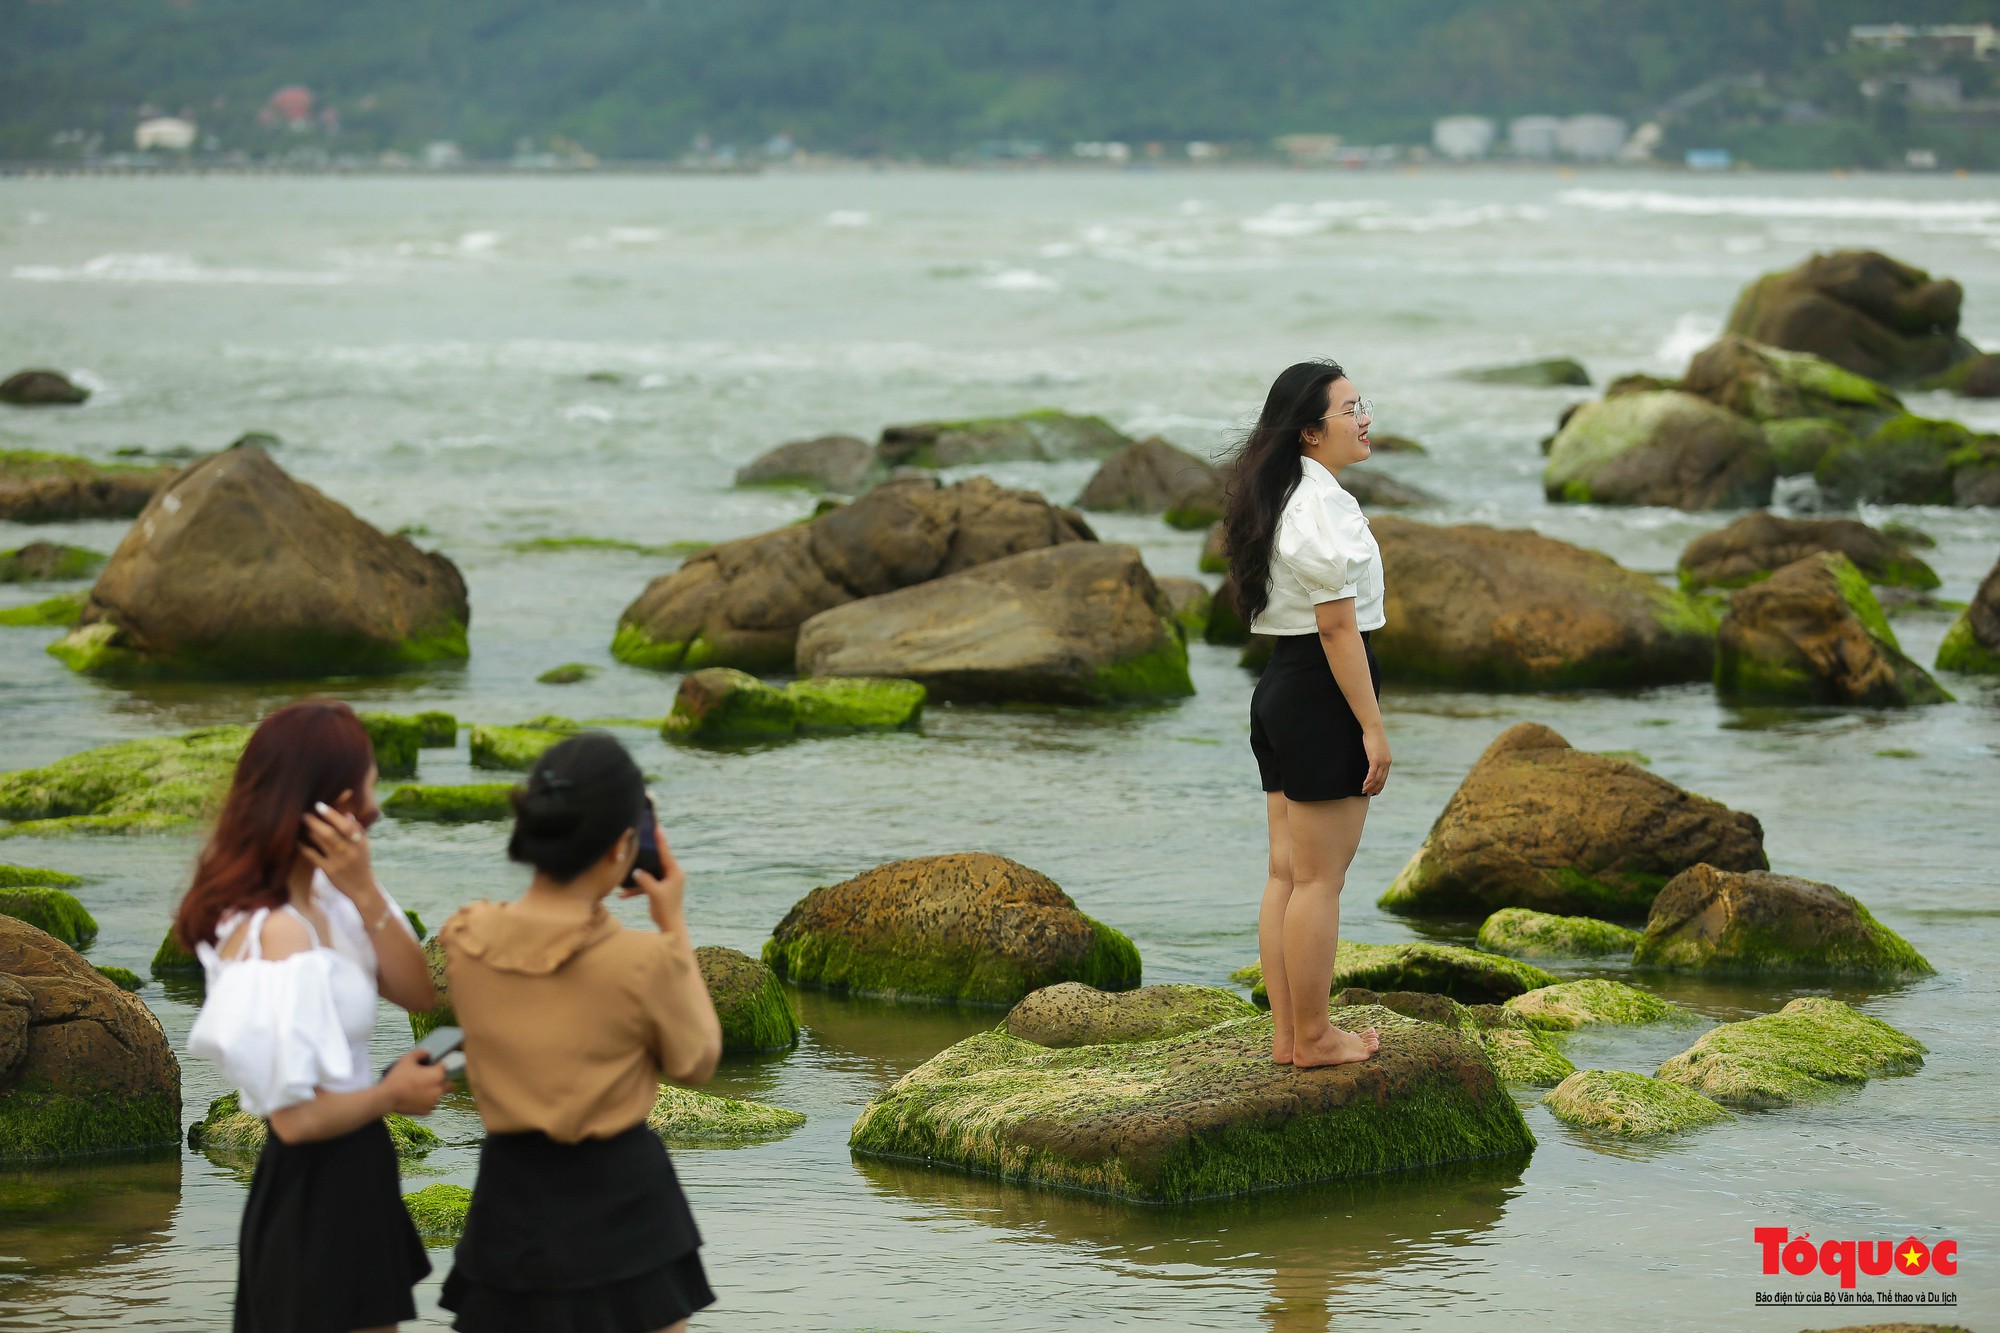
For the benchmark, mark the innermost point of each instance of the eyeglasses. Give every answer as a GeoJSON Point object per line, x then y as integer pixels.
{"type": "Point", "coordinates": [1364, 408]}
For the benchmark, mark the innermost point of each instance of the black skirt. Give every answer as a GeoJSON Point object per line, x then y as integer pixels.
{"type": "Point", "coordinates": [1306, 739]}
{"type": "Point", "coordinates": [326, 1245]}
{"type": "Point", "coordinates": [591, 1237]}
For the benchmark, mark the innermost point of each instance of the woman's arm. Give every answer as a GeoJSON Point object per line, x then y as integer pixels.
{"type": "Point", "coordinates": [1348, 657]}
{"type": "Point", "coordinates": [409, 1088]}
{"type": "Point", "coordinates": [690, 1035]}
{"type": "Point", "coordinates": [337, 845]}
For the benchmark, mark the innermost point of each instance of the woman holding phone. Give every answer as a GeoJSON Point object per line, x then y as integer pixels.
{"type": "Point", "coordinates": [297, 940]}
{"type": "Point", "coordinates": [571, 1022]}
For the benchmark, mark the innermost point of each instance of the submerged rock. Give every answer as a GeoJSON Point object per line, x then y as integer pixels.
{"type": "Point", "coordinates": [1042, 435]}
{"type": "Point", "coordinates": [969, 927]}
{"type": "Point", "coordinates": [1073, 1014]}
{"type": "Point", "coordinates": [1519, 1054]}
{"type": "Point", "coordinates": [61, 610]}
{"type": "Point", "coordinates": [1149, 477]}
{"type": "Point", "coordinates": [1507, 609]}
{"type": "Point", "coordinates": [1630, 1105]}
{"type": "Point", "coordinates": [137, 786]}
{"type": "Point", "coordinates": [1539, 824]}
{"type": "Point", "coordinates": [395, 738]}
{"type": "Point", "coordinates": [756, 1013]}
{"type": "Point", "coordinates": [471, 803]}
{"type": "Point", "coordinates": [1709, 920]}
{"type": "Point", "coordinates": [1569, 1005]}
{"type": "Point", "coordinates": [1520, 933]}
{"type": "Point", "coordinates": [59, 488]}
{"type": "Point", "coordinates": [724, 704]}
{"type": "Point", "coordinates": [682, 1116]}
{"type": "Point", "coordinates": [441, 1014]}
{"type": "Point", "coordinates": [1972, 644]}
{"type": "Point", "coordinates": [84, 1067]}
{"type": "Point", "coordinates": [1555, 372]}
{"type": "Point", "coordinates": [1811, 1048]}
{"type": "Point", "coordinates": [1661, 448]}
{"type": "Point", "coordinates": [1080, 623]}
{"type": "Point", "coordinates": [438, 1212]}
{"type": "Point", "coordinates": [52, 910]}
{"type": "Point", "coordinates": [1814, 633]}
{"type": "Point", "coordinates": [741, 603]}
{"type": "Point", "coordinates": [830, 463]}
{"type": "Point", "coordinates": [41, 388]}
{"type": "Point", "coordinates": [1190, 600]}
{"type": "Point", "coordinates": [1435, 969]}
{"type": "Point", "coordinates": [171, 961]}
{"type": "Point", "coordinates": [1859, 309]}
{"type": "Point", "coordinates": [569, 673]}
{"type": "Point", "coordinates": [1757, 545]}
{"type": "Point", "coordinates": [28, 877]}
{"type": "Point", "coordinates": [230, 1135]}
{"type": "Point", "coordinates": [1912, 460]}
{"type": "Point", "coordinates": [1215, 550]}
{"type": "Point", "coordinates": [1197, 1116]}
{"type": "Point", "coordinates": [515, 749]}
{"type": "Point", "coordinates": [48, 562]}
{"type": "Point", "coordinates": [1974, 377]}
{"type": "Point", "coordinates": [237, 570]}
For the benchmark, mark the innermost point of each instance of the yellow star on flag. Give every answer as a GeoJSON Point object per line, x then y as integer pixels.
{"type": "Point", "coordinates": [1910, 1257]}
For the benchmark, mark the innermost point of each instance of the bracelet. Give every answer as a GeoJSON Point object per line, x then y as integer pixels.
{"type": "Point", "coordinates": [388, 915]}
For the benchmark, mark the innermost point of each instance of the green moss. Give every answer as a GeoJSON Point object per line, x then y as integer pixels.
{"type": "Point", "coordinates": [1632, 1106]}
{"type": "Point", "coordinates": [62, 609]}
{"type": "Point", "coordinates": [228, 1133]}
{"type": "Point", "coordinates": [1463, 974]}
{"type": "Point", "coordinates": [1113, 961]}
{"type": "Point", "coordinates": [66, 563]}
{"type": "Point", "coordinates": [1860, 599]}
{"type": "Point", "coordinates": [473, 803]}
{"type": "Point", "coordinates": [1569, 1005]}
{"type": "Point", "coordinates": [682, 1116]}
{"type": "Point", "coordinates": [831, 703]}
{"type": "Point", "coordinates": [569, 673]}
{"type": "Point", "coordinates": [1798, 443]}
{"type": "Point", "coordinates": [1618, 895]}
{"type": "Point", "coordinates": [1161, 673]}
{"type": "Point", "coordinates": [131, 786]}
{"type": "Point", "coordinates": [1072, 1014]}
{"type": "Point", "coordinates": [722, 703]}
{"type": "Point", "coordinates": [438, 1212]}
{"type": "Point", "coordinates": [512, 749]}
{"type": "Point", "coordinates": [635, 647]}
{"type": "Point", "coordinates": [1521, 933]}
{"type": "Point", "coordinates": [1524, 1057]}
{"type": "Point", "coordinates": [396, 739]}
{"type": "Point", "coordinates": [1809, 1049]}
{"type": "Point", "coordinates": [755, 1011]}
{"type": "Point", "coordinates": [1907, 460]}
{"type": "Point", "coordinates": [1751, 950]}
{"type": "Point", "coordinates": [170, 960]}
{"type": "Point", "coordinates": [41, 1123]}
{"type": "Point", "coordinates": [1962, 651]}
{"type": "Point", "coordinates": [441, 1015]}
{"type": "Point", "coordinates": [437, 730]}
{"type": "Point", "coordinates": [52, 910]}
{"type": "Point", "coordinates": [27, 877]}
{"type": "Point", "coordinates": [1193, 514]}
{"type": "Point", "coordinates": [124, 978]}
{"type": "Point", "coordinates": [535, 544]}
{"type": "Point", "coordinates": [253, 654]}
{"type": "Point", "coordinates": [416, 922]}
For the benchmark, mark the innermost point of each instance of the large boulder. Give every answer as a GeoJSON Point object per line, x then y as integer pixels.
{"type": "Point", "coordinates": [1767, 384]}
{"type": "Point", "coordinates": [237, 570]}
{"type": "Point", "coordinates": [1757, 545]}
{"type": "Point", "coordinates": [58, 488]}
{"type": "Point", "coordinates": [1073, 1014]}
{"type": "Point", "coordinates": [84, 1067]}
{"type": "Point", "coordinates": [1859, 309]}
{"type": "Point", "coordinates": [142, 786]}
{"type": "Point", "coordinates": [1811, 1048]}
{"type": "Point", "coordinates": [1814, 633]}
{"type": "Point", "coordinates": [970, 927]}
{"type": "Point", "coordinates": [1662, 448]}
{"type": "Point", "coordinates": [839, 463]}
{"type": "Point", "coordinates": [1719, 921]}
{"type": "Point", "coordinates": [1080, 623]}
{"type": "Point", "coordinates": [1510, 609]}
{"type": "Point", "coordinates": [1147, 478]}
{"type": "Point", "coordinates": [741, 603]}
{"type": "Point", "coordinates": [1042, 435]}
{"type": "Point", "coordinates": [1521, 1055]}
{"type": "Point", "coordinates": [1539, 824]}
{"type": "Point", "coordinates": [724, 704]}
{"type": "Point", "coordinates": [756, 1013]}
{"type": "Point", "coordinates": [1910, 459]}
{"type": "Point", "coordinates": [41, 388]}
{"type": "Point", "coordinates": [1972, 644]}
{"type": "Point", "coordinates": [1190, 601]}
{"type": "Point", "coordinates": [1629, 1105]}
{"type": "Point", "coordinates": [1197, 1116]}
{"type": "Point", "coordinates": [48, 562]}
{"type": "Point", "coordinates": [1975, 377]}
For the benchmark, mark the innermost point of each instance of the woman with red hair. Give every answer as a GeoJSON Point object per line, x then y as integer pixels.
{"type": "Point", "coordinates": [297, 941]}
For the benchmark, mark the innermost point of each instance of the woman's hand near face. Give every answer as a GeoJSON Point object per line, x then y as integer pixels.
{"type": "Point", "coordinates": [666, 895]}
{"type": "Point", "coordinates": [336, 843]}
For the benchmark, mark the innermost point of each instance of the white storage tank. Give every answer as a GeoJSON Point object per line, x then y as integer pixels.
{"type": "Point", "coordinates": [1462, 138]}
{"type": "Point", "coordinates": [1592, 138]}
{"type": "Point", "coordinates": [1533, 136]}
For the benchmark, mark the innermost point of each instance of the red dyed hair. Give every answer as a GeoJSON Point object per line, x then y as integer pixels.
{"type": "Point", "coordinates": [305, 752]}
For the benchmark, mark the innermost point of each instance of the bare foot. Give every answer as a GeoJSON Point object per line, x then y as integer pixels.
{"type": "Point", "coordinates": [1336, 1048]}
{"type": "Point", "coordinates": [1281, 1051]}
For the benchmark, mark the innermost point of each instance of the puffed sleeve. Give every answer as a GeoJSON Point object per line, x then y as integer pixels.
{"type": "Point", "coordinates": [271, 1028]}
{"type": "Point", "coordinates": [672, 1020]}
{"type": "Point", "coordinates": [1317, 543]}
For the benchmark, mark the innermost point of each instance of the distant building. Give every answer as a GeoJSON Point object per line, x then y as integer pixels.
{"type": "Point", "coordinates": [442, 155]}
{"type": "Point", "coordinates": [169, 133]}
{"type": "Point", "coordinates": [1978, 40]}
{"type": "Point", "coordinates": [1533, 136]}
{"type": "Point", "coordinates": [1708, 159]}
{"type": "Point", "coordinates": [291, 106]}
{"type": "Point", "coordinates": [1309, 150]}
{"type": "Point", "coordinates": [1591, 138]}
{"type": "Point", "coordinates": [1462, 138]}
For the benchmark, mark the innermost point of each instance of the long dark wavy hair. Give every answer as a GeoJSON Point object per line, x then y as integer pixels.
{"type": "Point", "coordinates": [1263, 472]}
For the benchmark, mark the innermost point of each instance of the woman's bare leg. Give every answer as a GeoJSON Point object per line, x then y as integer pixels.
{"type": "Point", "coordinates": [1324, 836]}
{"type": "Point", "coordinates": [1271, 926]}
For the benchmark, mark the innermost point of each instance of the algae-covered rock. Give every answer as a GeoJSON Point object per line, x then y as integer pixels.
{"type": "Point", "coordinates": [1521, 933]}
{"type": "Point", "coordinates": [471, 803]}
{"type": "Point", "coordinates": [439, 731]}
{"type": "Point", "coordinates": [124, 978]}
{"type": "Point", "coordinates": [1757, 545]}
{"type": "Point", "coordinates": [84, 1066]}
{"type": "Point", "coordinates": [48, 562]}
{"type": "Point", "coordinates": [1437, 969]}
{"type": "Point", "coordinates": [1500, 609]}
{"type": "Point", "coordinates": [1541, 825]}
{"type": "Point", "coordinates": [27, 877]}
{"type": "Point", "coordinates": [237, 570]}
{"type": "Point", "coordinates": [969, 927]}
{"type": "Point", "coordinates": [41, 388]}
{"type": "Point", "coordinates": [515, 749]}
{"type": "Point", "coordinates": [1769, 384]}
{"type": "Point", "coordinates": [52, 910]}
{"type": "Point", "coordinates": [756, 1013]}
{"type": "Point", "coordinates": [682, 1116]}
{"type": "Point", "coordinates": [1972, 644]}
{"type": "Point", "coordinates": [1073, 1014]}
{"type": "Point", "coordinates": [440, 1014]}
{"type": "Point", "coordinates": [438, 1212]}
{"type": "Point", "coordinates": [1810, 1048]}
{"type": "Point", "coordinates": [1190, 601]}
{"type": "Point", "coordinates": [171, 960]}
{"type": "Point", "coordinates": [1630, 1105]}
{"type": "Point", "coordinates": [724, 704]}
{"type": "Point", "coordinates": [1149, 477]}
{"type": "Point", "coordinates": [1664, 448]}
{"type": "Point", "coordinates": [1520, 1054]}
{"type": "Point", "coordinates": [1555, 372]}
{"type": "Point", "coordinates": [60, 488]}
{"type": "Point", "coordinates": [1214, 557]}
{"type": "Point", "coordinates": [1079, 623]}
{"type": "Point", "coordinates": [838, 463]}
{"type": "Point", "coordinates": [1569, 1005]}
{"type": "Point", "coordinates": [1226, 624]}
{"type": "Point", "coordinates": [130, 787]}
{"type": "Point", "coordinates": [1858, 309]}
{"type": "Point", "coordinates": [1524, 1057]}
{"type": "Point", "coordinates": [1196, 1116]}
{"type": "Point", "coordinates": [61, 610]}
{"type": "Point", "coordinates": [1814, 633]}
{"type": "Point", "coordinates": [1709, 920]}
{"type": "Point", "coordinates": [569, 673]}
{"type": "Point", "coordinates": [1910, 459]}
{"type": "Point", "coordinates": [1042, 435]}
{"type": "Point", "coordinates": [230, 1135]}
{"type": "Point", "coordinates": [396, 739]}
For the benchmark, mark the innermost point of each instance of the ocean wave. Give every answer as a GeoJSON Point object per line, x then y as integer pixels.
{"type": "Point", "coordinates": [1019, 280]}
{"type": "Point", "coordinates": [1826, 207]}
{"type": "Point", "coordinates": [169, 268]}
{"type": "Point", "coordinates": [849, 217]}
{"type": "Point", "coordinates": [1691, 333]}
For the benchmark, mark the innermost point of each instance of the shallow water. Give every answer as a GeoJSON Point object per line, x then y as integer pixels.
{"type": "Point", "coordinates": [421, 347]}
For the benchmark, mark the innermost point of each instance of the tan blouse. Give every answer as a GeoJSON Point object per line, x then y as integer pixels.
{"type": "Point", "coordinates": [567, 1026]}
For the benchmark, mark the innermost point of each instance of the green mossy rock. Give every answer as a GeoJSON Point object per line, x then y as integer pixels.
{"type": "Point", "coordinates": [52, 910]}
{"type": "Point", "coordinates": [969, 928]}
{"type": "Point", "coordinates": [439, 731]}
{"type": "Point", "coordinates": [28, 877]}
{"type": "Point", "coordinates": [1521, 1055]}
{"type": "Point", "coordinates": [569, 673]}
{"type": "Point", "coordinates": [1972, 644]}
{"type": "Point", "coordinates": [1814, 633]}
{"type": "Point", "coordinates": [1570, 1005]}
{"type": "Point", "coordinates": [1150, 477]}
{"type": "Point", "coordinates": [1859, 309]}
{"type": "Point", "coordinates": [683, 1117]}
{"type": "Point", "coordinates": [48, 562]}
{"type": "Point", "coordinates": [1215, 550]}
{"type": "Point", "coordinates": [1554, 373]}
{"type": "Point", "coordinates": [1717, 921]}
{"type": "Point", "coordinates": [62, 609]}
{"type": "Point", "coordinates": [438, 1211]}
{"type": "Point", "coordinates": [59, 488]}
{"type": "Point", "coordinates": [124, 978]}
{"type": "Point", "coordinates": [1451, 970]}
{"type": "Point", "coordinates": [1190, 601]}
{"type": "Point", "coordinates": [170, 960]}
{"type": "Point", "coordinates": [756, 1013]}
{"type": "Point", "coordinates": [1520, 933]}
{"type": "Point", "coordinates": [839, 463]}
{"type": "Point", "coordinates": [1811, 1048]}
{"type": "Point", "coordinates": [1073, 1014]}
{"type": "Point", "coordinates": [1908, 459]}
{"type": "Point", "coordinates": [1198, 1116]}
{"type": "Point", "coordinates": [515, 749]}
{"type": "Point", "coordinates": [1664, 448]}
{"type": "Point", "coordinates": [440, 1015]}
{"type": "Point", "coordinates": [1798, 445]}
{"type": "Point", "coordinates": [396, 739]}
{"type": "Point", "coordinates": [473, 803]}
{"type": "Point", "coordinates": [1044, 434]}
{"type": "Point", "coordinates": [1632, 1106]}
{"type": "Point", "coordinates": [130, 787]}
{"type": "Point", "coordinates": [1226, 624]}
{"type": "Point", "coordinates": [1757, 545]}
{"type": "Point", "coordinates": [41, 388]}
{"type": "Point", "coordinates": [1524, 1057]}
{"type": "Point", "coordinates": [1769, 384]}
{"type": "Point", "coordinates": [229, 1134]}
{"type": "Point", "coordinates": [724, 704]}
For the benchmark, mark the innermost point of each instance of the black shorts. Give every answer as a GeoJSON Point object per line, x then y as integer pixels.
{"type": "Point", "coordinates": [1306, 739]}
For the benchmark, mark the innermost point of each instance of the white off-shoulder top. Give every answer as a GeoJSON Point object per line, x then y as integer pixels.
{"type": "Point", "coordinates": [279, 1029]}
{"type": "Point", "coordinates": [1322, 552]}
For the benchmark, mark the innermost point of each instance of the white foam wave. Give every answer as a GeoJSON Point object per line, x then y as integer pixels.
{"type": "Point", "coordinates": [169, 268]}
{"type": "Point", "coordinates": [1019, 280]}
{"type": "Point", "coordinates": [849, 217]}
{"type": "Point", "coordinates": [1691, 333]}
{"type": "Point", "coordinates": [1828, 207]}
{"type": "Point", "coordinates": [589, 412]}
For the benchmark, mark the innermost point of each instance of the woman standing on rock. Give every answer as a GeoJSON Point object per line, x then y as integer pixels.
{"type": "Point", "coordinates": [571, 1021]}
{"type": "Point", "coordinates": [297, 940]}
{"type": "Point", "coordinates": [1307, 573]}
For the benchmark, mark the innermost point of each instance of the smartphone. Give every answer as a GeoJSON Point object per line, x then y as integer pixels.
{"type": "Point", "coordinates": [649, 847]}
{"type": "Point", "coordinates": [438, 1048]}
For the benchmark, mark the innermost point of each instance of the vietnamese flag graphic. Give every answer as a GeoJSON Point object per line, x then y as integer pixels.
{"type": "Point", "coordinates": [1912, 1256]}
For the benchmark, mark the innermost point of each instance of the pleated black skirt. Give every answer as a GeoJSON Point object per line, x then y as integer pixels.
{"type": "Point", "coordinates": [326, 1245]}
{"type": "Point", "coordinates": [1306, 739]}
{"type": "Point", "coordinates": [591, 1237]}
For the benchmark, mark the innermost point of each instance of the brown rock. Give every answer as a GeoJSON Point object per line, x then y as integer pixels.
{"type": "Point", "coordinates": [1982, 377]}
{"type": "Point", "coordinates": [41, 388]}
{"type": "Point", "coordinates": [238, 570]}
{"type": "Point", "coordinates": [1756, 545]}
{"type": "Point", "coordinates": [53, 488]}
{"type": "Point", "coordinates": [1189, 600]}
{"type": "Point", "coordinates": [1044, 435]}
{"type": "Point", "coordinates": [1541, 825]}
{"type": "Point", "coordinates": [1372, 490]}
{"type": "Point", "coordinates": [1215, 550]}
{"type": "Point", "coordinates": [1814, 633]}
{"type": "Point", "coordinates": [1709, 920]}
{"type": "Point", "coordinates": [1146, 478]}
{"type": "Point", "coordinates": [1664, 448]}
{"type": "Point", "coordinates": [830, 463]}
{"type": "Point", "coordinates": [1073, 1014]}
{"type": "Point", "coordinates": [1771, 384]}
{"type": "Point", "coordinates": [1859, 309]}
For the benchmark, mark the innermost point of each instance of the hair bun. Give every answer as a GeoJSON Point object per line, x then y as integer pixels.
{"type": "Point", "coordinates": [546, 813]}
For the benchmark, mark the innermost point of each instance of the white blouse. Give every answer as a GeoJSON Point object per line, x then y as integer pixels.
{"type": "Point", "coordinates": [279, 1029]}
{"type": "Point", "coordinates": [1322, 552]}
